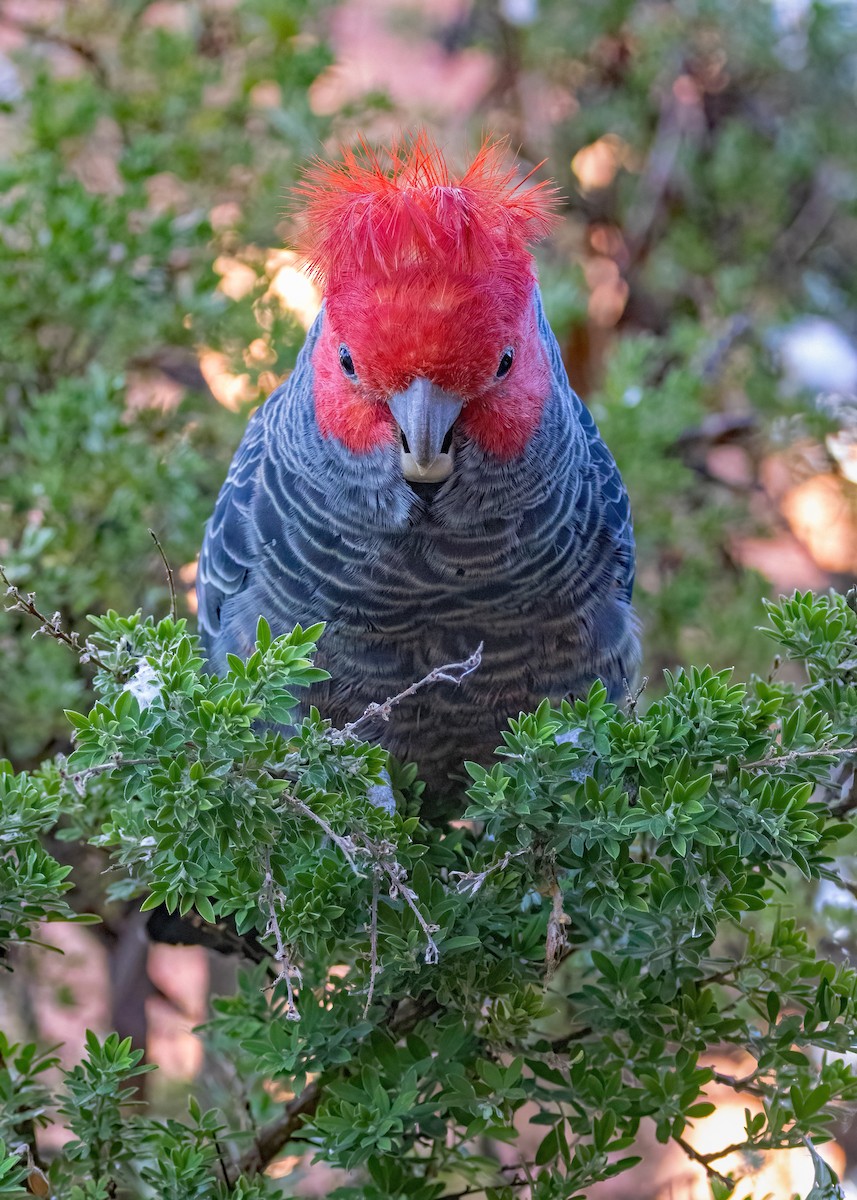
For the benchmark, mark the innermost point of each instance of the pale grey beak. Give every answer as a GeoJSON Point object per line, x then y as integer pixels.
{"type": "Point", "coordinates": [425, 414]}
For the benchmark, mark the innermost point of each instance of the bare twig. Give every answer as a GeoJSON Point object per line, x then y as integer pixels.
{"type": "Point", "coordinates": [525, 1167]}
{"type": "Point", "coordinates": [134, 19]}
{"type": "Point", "coordinates": [278, 1133]}
{"type": "Point", "coordinates": [735, 1148]}
{"type": "Point", "coordinates": [780, 760]}
{"type": "Point", "coordinates": [270, 894]}
{"type": "Point", "coordinates": [449, 673]}
{"type": "Point", "coordinates": [809, 224]}
{"type": "Point", "coordinates": [702, 1159]}
{"type": "Point", "coordinates": [397, 876]}
{"type": "Point", "coordinates": [82, 49]}
{"type": "Point", "coordinates": [560, 1045]}
{"type": "Point", "coordinates": [79, 779]}
{"type": "Point", "coordinates": [633, 697]}
{"type": "Point", "coordinates": [469, 882]}
{"type": "Point", "coordinates": [747, 1084]}
{"type": "Point", "coordinates": [169, 571]}
{"type": "Point", "coordinates": [680, 121]}
{"type": "Point", "coordinates": [344, 843]}
{"type": "Point", "coordinates": [226, 1180]}
{"type": "Point", "coordinates": [50, 626]}
{"type": "Point", "coordinates": [373, 939]}
{"type": "Point", "coordinates": [719, 351]}
{"type": "Point", "coordinates": [479, 1189]}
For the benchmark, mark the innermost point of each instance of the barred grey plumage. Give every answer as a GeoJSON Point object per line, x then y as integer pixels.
{"type": "Point", "coordinates": [533, 556]}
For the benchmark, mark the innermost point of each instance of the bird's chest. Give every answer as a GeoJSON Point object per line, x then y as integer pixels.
{"type": "Point", "coordinates": [430, 597]}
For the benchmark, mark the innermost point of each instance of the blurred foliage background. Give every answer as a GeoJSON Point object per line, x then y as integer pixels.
{"type": "Point", "coordinates": [702, 282]}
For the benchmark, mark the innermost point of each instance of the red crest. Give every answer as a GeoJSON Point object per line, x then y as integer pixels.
{"type": "Point", "coordinates": [372, 213]}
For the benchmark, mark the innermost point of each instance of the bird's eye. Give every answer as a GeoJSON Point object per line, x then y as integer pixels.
{"type": "Point", "coordinates": [506, 361]}
{"type": "Point", "coordinates": [347, 362]}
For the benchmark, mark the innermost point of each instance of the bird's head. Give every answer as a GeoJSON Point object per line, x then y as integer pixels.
{"type": "Point", "coordinates": [429, 320]}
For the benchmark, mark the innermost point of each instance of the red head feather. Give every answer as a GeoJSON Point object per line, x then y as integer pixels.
{"type": "Point", "coordinates": [428, 274]}
{"type": "Point", "coordinates": [363, 216]}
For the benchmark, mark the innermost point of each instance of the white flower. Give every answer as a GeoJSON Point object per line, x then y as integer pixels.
{"type": "Point", "coordinates": [144, 685]}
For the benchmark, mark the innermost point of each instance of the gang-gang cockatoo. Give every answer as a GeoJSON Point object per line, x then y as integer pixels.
{"type": "Point", "coordinates": [426, 479]}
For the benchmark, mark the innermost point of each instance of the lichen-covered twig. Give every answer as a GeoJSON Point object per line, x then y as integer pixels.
{"type": "Point", "coordinates": [79, 779]}
{"type": "Point", "coordinates": [449, 673]}
{"type": "Point", "coordinates": [344, 843]}
{"type": "Point", "coordinates": [780, 760]}
{"type": "Point", "coordinates": [372, 927]}
{"type": "Point", "coordinates": [270, 895]}
{"type": "Point", "coordinates": [633, 695]}
{"type": "Point", "coordinates": [555, 941]}
{"type": "Point", "coordinates": [468, 883]}
{"type": "Point", "coordinates": [50, 626]}
{"type": "Point", "coordinates": [399, 886]}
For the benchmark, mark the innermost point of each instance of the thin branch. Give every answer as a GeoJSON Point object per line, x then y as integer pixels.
{"type": "Point", "coordinates": [169, 571]}
{"type": "Point", "coordinates": [82, 49]}
{"type": "Point", "coordinates": [719, 351]}
{"type": "Point", "coordinates": [269, 895]}
{"type": "Point", "coordinates": [79, 779]}
{"type": "Point", "coordinates": [735, 1148]}
{"type": "Point", "coordinates": [559, 1045]}
{"type": "Point", "coordinates": [633, 697]}
{"type": "Point", "coordinates": [226, 1180]}
{"type": "Point", "coordinates": [779, 760]}
{"type": "Point", "coordinates": [134, 19]}
{"type": "Point", "coordinates": [278, 1133]}
{"type": "Point", "coordinates": [373, 939]}
{"type": "Point", "coordinates": [847, 885]}
{"type": "Point", "coordinates": [811, 221]}
{"type": "Point", "coordinates": [469, 882]}
{"type": "Point", "coordinates": [678, 124]}
{"type": "Point", "coordinates": [344, 843]}
{"type": "Point", "coordinates": [479, 1189]}
{"type": "Point", "coordinates": [449, 673]}
{"type": "Point", "coordinates": [525, 1167]}
{"type": "Point", "coordinates": [702, 1160]}
{"type": "Point", "coordinates": [50, 626]}
{"type": "Point", "coordinates": [395, 872]}
{"type": "Point", "coordinates": [747, 1084]}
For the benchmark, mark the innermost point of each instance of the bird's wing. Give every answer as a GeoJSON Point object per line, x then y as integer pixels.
{"type": "Point", "coordinates": [614, 498]}
{"type": "Point", "coordinates": [252, 500]}
{"type": "Point", "coordinates": [229, 548]}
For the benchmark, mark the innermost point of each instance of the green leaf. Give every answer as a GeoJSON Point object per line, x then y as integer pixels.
{"type": "Point", "coordinates": [548, 1149]}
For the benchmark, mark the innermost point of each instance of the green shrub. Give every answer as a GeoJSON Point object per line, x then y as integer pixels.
{"type": "Point", "coordinates": [615, 910]}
